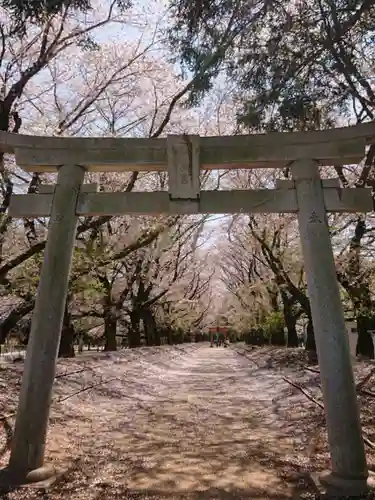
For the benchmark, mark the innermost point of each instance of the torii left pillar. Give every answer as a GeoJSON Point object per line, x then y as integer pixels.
{"type": "Point", "coordinates": [28, 443]}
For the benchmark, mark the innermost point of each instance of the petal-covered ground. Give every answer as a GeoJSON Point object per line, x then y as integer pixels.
{"type": "Point", "coordinates": [189, 422]}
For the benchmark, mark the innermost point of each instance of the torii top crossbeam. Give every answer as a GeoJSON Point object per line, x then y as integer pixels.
{"type": "Point", "coordinates": [44, 154]}
{"type": "Point", "coordinates": [184, 157]}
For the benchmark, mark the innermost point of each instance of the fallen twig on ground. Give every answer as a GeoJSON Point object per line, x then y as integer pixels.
{"type": "Point", "coordinates": [314, 370]}
{"type": "Point", "coordinates": [87, 388]}
{"type": "Point", "coordinates": [67, 374]}
{"type": "Point", "coordinates": [366, 440]}
{"type": "Point", "coordinates": [297, 386]}
{"type": "Point", "coordinates": [365, 380]}
{"type": "Point", "coordinates": [243, 354]}
{"type": "Point", "coordinates": [367, 393]}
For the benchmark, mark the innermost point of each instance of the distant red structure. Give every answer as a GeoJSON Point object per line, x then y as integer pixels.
{"type": "Point", "coordinates": [218, 329]}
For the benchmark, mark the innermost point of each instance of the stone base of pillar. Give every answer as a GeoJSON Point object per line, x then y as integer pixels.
{"type": "Point", "coordinates": [43, 477]}
{"type": "Point", "coordinates": [336, 486]}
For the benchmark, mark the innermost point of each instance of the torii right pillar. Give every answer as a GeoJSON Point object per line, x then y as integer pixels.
{"type": "Point", "coordinates": [348, 459]}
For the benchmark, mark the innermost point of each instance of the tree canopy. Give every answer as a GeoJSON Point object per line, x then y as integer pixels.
{"type": "Point", "coordinates": [39, 11]}
{"type": "Point", "coordinates": [295, 65]}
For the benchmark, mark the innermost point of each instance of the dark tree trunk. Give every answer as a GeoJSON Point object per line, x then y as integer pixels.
{"type": "Point", "coordinates": [365, 345]}
{"type": "Point", "coordinates": [163, 333]}
{"type": "Point", "coordinates": [150, 328]}
{"type": "Point", "coordinates": [24, 328]}
{"type": "Point", "coordinates": [278, 337]}
{"type": "Point", "coordinates": [290, 319]}
{"type": "Point", "coordinates": [66, 349]}
{"type": "Point", "coordinates": [157, 336]}
{"type": "Point", "coordinates": [110, 330]}
{"type": "Point", "coordinates": [310, 337]}
{"type": "Point", "coordinates": [134, 334]}
{"type": "Point", "coordinates": [292, 331]}
{"type": "Point", "coordinates": [274, 299]}
{"type": "Point", "coordinates": [169, 336]}
{"type": "Point", "coordinates": [14, 317]}
{"type": "Point", "coordinates": [359, 292]}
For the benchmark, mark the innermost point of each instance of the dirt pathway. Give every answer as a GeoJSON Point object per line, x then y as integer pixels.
{"type": "Point", "coordinates": [209, 424]}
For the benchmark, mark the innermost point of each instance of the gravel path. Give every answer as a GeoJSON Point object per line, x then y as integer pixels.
{"type": "Point", "coordinates": [206, 423]}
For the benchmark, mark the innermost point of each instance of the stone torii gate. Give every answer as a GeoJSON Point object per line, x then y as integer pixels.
{"type": "Point", "coordinates": [184, 157]}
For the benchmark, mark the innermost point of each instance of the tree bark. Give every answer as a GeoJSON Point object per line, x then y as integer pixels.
{"type": "Point", "coordinates": [290, 319]}
{"type": "Point", "coordinates": [157, 336]}
{"type": "Point", "coordinates": [310, 338]}
{"type": "Point", "coordinates": [365, 345]}
{"type": "Point", "coordinates": [169, 336]}
{"type": "Point", "coordinates": [274, 298]}
{"type": "Point", "coordinates": [14, 317]}
{"type": "Point", "coordinates": [359, 291]}
{"type": "Point", "coordinates": [134, 334]}
{"type": "Point", "coordinates": [278, 337]}
{"type": "Point", "coordinates": [66, 349]}
{"type": "Point", "coordinates": [292, 332]}
{"type": "Point", "coordinates": [152, 337]}
{"type": "Point", "coordinates": [110, 330]}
